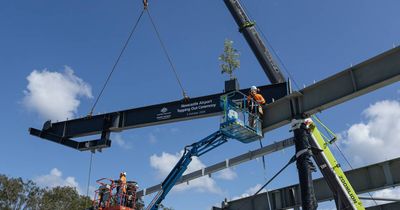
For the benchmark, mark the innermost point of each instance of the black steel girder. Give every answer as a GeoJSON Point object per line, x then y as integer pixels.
{"type": "Point", "coordinates": [200, 107]}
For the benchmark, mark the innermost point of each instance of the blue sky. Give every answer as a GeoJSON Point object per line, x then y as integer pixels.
{"type": "Point", "coordinates": [73, 45]}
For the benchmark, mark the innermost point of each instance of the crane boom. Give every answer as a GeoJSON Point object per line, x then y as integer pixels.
{"type": "Point", "coordinates": [250, 33]}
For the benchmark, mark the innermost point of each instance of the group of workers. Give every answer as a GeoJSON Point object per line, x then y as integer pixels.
{"type": "Point", "coordinates": [125, 194]}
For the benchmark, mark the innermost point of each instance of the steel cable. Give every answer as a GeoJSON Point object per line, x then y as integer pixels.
{"type": "Point", "coordinates": [340, 151]}
{"type": "Point", "coordinates": [167, 54]}
{"type": "Point", "coordinates": [90, 172]}
{"type": "Point", "coordinates": [270, 46]}
{"type": "Point", "coordinates": [116, 62]}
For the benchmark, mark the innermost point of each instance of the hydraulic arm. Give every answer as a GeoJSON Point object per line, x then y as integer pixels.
{"type": "Point", "coordinates": [197, 149]}
{"type": "Point", "coordinates": [235, 125]}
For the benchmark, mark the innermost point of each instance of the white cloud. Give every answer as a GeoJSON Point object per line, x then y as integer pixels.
{"type": "Point", "coordinates": [378, 138]}
{"type": "Point", "coordinates": [55, 95]}
{"type": "Point", "coordinates": [54, 179]}
{"type": "Point", "coordinates": [386, 193]}
{"type": "Point", "coordinates": [92, 191]}
{"type": "Point", "coordinates": [117, 138]}
{"type": "Point", "coordinates": [249, 192]}
{"type": "Point", "coordinates": [165, 162]}
{"type": "Point", "coordinates": [227, 174]}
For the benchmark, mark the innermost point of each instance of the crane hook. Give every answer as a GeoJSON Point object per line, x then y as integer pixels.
{"type": "Point", "coordinates": [145, 4]}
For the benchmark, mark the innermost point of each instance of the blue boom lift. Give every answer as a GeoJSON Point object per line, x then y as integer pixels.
{"type": "Point", "coordinates": [237, 122]}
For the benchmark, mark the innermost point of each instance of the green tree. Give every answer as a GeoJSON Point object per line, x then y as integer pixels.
{"type": "Point", "coordinates": [62, 198]}
{"type": "Point", "coordinates": [34, 195]}
{"type": "Point", "coordinates": [12, 193]}
{"type": "Point", "coordinates": [17, 194]}
{"type": "Point", "coordinates": [230, 59]}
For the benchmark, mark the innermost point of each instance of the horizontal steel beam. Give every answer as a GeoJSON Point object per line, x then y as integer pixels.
{"type": "Point", "coordinates": [387, 206]}
{"type": "Point", "coordinates": [363, 78]}
{"type": "Point", "coordinates": [225, 164]}
{"type": "Point", "coordinates": [205, 106]}
{"type": "Point", "coordinates": [379, 199]}
{"type": "Point", "coordinates": [365, 179]}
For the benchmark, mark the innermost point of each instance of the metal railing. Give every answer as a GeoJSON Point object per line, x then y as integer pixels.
{"type": "Point", "coordinates": [241, 109]}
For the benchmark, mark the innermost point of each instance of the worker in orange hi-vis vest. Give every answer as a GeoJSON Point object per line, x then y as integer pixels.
{"type": "Point", "coordinates": [255, 102]}
{"type": "Point", "coordinates": [121, 189]}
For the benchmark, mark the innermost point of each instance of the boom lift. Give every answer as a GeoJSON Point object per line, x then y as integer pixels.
{"type": "Point", "coordinates": [107, 198]}
{"type": "Point", "coordinates": [234, 124]}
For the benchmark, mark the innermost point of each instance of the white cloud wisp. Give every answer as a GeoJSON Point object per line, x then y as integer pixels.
{"type": "Point", "coordinates": [391, 193]}
{"type": "Point", "coordinates": [165, 162]}
{"type": "Point", "coordinates": [55, 95]}
{"type": "Point", "coordinates": [55, 179]}
{"type": "Point", "coordinates": [117, 138]}
{"type": "Point", "coordinates": [227, 174]}
{"type": "Point", "coordinates": [251, 191]}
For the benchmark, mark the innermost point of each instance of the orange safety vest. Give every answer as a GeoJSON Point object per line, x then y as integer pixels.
{"type": "Point", "coordinates": [122, 182]}
{"type": "Point", "coordinates": [257, 97]}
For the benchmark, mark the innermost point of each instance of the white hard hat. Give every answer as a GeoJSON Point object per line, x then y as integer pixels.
{"type": "Point", "coordinates": [253, 88]}
{"type": "Point", "coordinates": [123, 173]}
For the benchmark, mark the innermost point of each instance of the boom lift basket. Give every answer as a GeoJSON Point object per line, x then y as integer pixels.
{"type": "Point", "coordinates": [107, 198]}
{"type": "Point", "coordinates": [238, 121]}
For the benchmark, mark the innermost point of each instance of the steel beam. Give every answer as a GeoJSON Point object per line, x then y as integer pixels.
{"type": "Point", "coordinates": [380, 199]}
{"type": "Point", "coordinates": [289, 197]}
{"type": "Point", "coordinates": [225, 164]}
{"type": "Point", "coordinates": [205, 106]}
{"type": "Point", "coordinates": [363, 78]}
{"type": "Point", "coordinates": [387, 206]}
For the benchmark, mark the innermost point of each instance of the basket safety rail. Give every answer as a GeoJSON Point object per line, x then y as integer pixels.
{"type": "Point", "coordinates": [241, 119]}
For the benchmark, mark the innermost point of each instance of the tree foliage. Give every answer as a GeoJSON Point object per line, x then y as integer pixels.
{"type": "Point", "coordinates": [230, 59]}
{"type": "Point", "coordinates": [17, 194]}
{"type": "Point", "coordinates": [63, 198]}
